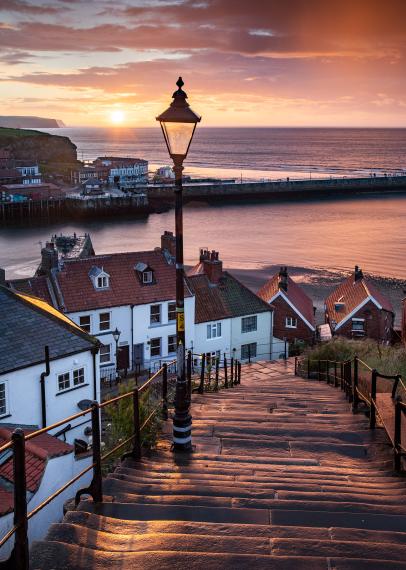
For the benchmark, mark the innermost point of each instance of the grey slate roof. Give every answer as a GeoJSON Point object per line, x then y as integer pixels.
{"type": "Point", "coordinates": [26, 328]}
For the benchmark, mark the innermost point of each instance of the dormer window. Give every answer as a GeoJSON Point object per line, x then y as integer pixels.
{"type": "Point", "coordinates": [99, 277]}
{"type": "Point", "coordinates": [145, 273]}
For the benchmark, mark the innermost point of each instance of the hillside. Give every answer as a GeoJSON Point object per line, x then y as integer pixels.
{"type": "Point", "coordinates": [35, 146]}
{"type": "Point", "coordinates": [23, 122]}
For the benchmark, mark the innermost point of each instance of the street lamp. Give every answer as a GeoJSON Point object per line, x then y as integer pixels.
{"type": "Point", "coordinates": [116, 336]}
{"type": "Point", "coordinates": [178, 124]}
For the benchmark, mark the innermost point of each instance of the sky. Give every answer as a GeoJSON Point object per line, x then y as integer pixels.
{"type": "Point", "coordinates": [244, 63]}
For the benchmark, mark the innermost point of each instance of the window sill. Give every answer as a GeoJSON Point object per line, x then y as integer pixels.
{"type": "Point", "coordinates": [247, 332]}
{"type": "Point", "coordinates": [71, 389]}
{"type": "Point", "coordinates": [290, 327]}
{"type": "Point", "coordinates": [106, 364]}
{"type": "Point", "coordinates": [101, 333]}
{"type": "Point", "coordinates": [156, 325]}
{"type": "Point", "coordinates": [5, 416]}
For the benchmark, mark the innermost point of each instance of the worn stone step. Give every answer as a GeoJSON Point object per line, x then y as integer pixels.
{"type": "Point", "coordinates": [59, 556]}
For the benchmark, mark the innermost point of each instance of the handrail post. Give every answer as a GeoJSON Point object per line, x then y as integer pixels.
{"type": "Point", "coordinates": [239, 372]}
{"type": "Point", "coordinates": [225, 372]}
{"type": "Point", "coordinates": [232, 372]}
{"type": "Point", "coordinates": [165, 391]}
{"type": "Point", "coordinates": [20, 551]}
{"type": "Point", "coordinates": [328, 371]}
{"type": "Point", "coordinates": [295, 365]}
{"type": "Point", "coordinates": [318, 370]}
{"type": "Point", "coordinates": [137, 430]}
{"type": "Point", "coordinates": [372, 415]}
{"type": "Point", "coordinates": [397, 439]}
{"type": "Point", "coordinates": [308, 368]}
{"type": "Point", "coordinates": [189, 371]}
{"type": "Point", "coordinates": [249, 353]}
{"type": "Point", "coordinates": [216, 382]}
{"type": "Point", "coordinates": [335, 373]}
{"type": "Point", "coordinates": [341, 375]}
{"type": "Point", "coordinates": [96, 485]}
{"type": "Point", "coordinates": [201, 386]}
{"type": "Point", "coordinates": [355, 385]}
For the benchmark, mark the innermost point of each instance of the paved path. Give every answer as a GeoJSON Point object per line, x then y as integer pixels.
{"type": "Point", "coordinates": [284, 476]}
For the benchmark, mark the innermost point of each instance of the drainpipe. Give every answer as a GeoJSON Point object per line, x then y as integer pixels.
{"type": "Point", "coordinates": [132, 338]}
{"type": "Point", "coordinates": [95, 350]}
{"type": "Point", "coordinates": [42, 384]}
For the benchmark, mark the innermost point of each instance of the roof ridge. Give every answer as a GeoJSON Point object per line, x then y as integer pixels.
{"type": "Point", "coordinates": [267, 305]}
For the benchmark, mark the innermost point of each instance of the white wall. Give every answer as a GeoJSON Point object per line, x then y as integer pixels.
{"type": "Point", "coordinates": [24, 393]}
{"type": "Point", "coordinates": [58, 471]}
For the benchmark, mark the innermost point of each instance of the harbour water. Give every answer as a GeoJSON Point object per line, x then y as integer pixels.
{"type": "Point", "coordinates": [330, 234]}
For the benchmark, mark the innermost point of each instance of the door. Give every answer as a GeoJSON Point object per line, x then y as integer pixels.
{"type": "Point", "coordinates": [123, 357]}
{"type": "Point", "coordinates": [139, 356]}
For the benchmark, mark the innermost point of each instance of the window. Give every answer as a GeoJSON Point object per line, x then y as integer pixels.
{"type": "Point", "coordinates": [171, 343]}
{"type": "Point", "coordinates": [248, 350]}
{"type": "Point", "coordinates": [249, 324]}
{"type": "Point", "coordinates": [214, 330]}
{"type": "Point", "coordinates": [3, 399]}
{"type": "Point", "coordinates": [358, 325]}
{"type": "Point", "coordinates": [63, 381]}
{"type": "Point", "coordinates": [105, 353]}
{"type": "Point", "coordinates": [102, 282]}
{"type": "Point", "coordinates": [78, 376]}
{"type": "Point", "coordinates": [155, 314]}
{"type": "Point", "coordinates": [291, 322]}
{"type": "Point", "coordinates": [147, 277]}
{"type": "Point", "coordinates": [104, 321]}
{"type": "Point", "coordinates": [155, 347]}
{"type": "Point", "coordinates": [211, 358]}
{"type": "Point", "coordinates": [84, 323]}
{"type": "Point", "coordinates": [171, 311]}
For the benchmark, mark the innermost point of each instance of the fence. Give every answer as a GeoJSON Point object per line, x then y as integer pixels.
{"type": "Point", "coordinates": [381, 393]}
{"type": "Point", "coordinates": [152, 399]}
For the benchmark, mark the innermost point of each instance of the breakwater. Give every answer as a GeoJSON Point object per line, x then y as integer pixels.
{"type": "Point", "coordinates": [286, 190]}
{"type": "Point", "coordinates": [160, 198]}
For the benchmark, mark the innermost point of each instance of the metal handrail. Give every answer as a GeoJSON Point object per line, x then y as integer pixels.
{"type": "Point", "coordinates": [365, 364]}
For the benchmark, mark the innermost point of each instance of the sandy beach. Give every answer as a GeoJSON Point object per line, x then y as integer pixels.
{"type": "Point", "coordinates": [318, 284]}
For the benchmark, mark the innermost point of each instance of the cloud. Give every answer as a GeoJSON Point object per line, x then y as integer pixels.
{"type": "Point", "coordinates": [20, 6]}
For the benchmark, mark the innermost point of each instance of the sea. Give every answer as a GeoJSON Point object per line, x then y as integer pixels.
{"type": "Point", "coordinates": [334, 234]}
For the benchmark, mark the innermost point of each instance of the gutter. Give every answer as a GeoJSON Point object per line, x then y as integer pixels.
{"type": "Point", "coordinates": [94, 350]}
{"type": "Point", "coordinates": [42, 384]}
{"type": "Point", "coordinates": [132, 338]}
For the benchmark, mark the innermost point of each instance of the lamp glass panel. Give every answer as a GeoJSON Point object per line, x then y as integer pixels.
{"type": "Point", "coordinates": [178, 137]}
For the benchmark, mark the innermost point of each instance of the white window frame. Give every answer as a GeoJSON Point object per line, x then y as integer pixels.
{"type": "Point", "coordinates": [109, 361]}
{"type": "Point", "coordinates": [147, 277]}
{"type": "Point", "coordinates": [252, 355]}
{"type": "Point", "coordinates": [83, 326]}
{"type": "Point", "coordinates": [109, 327]}
{"type": "Point", "coordinates": [154, 348]}
{"type": "Point", "coordinates": [6, 402]}
{"type": "Point", "coordinates": [151, 322]}
{"type": "Point", "coordinates": [213, 330]}
{"type": "Point", "coordinates": [104, 281]}
{"type": "Point", "coordinates": [356, 320]}
{"type": "Point", "coordinates": [291, 322]}
{"type": "Point", "coordinates": [58, 376]}
{"type": "Point", "coordinates": [81, 373]}
{"type": "Point", "coordinates": [173, 303]}
{"type": "Point", "coordinates": [245, 320]}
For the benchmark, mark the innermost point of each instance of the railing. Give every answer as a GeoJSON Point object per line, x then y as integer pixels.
{"type": "Point", "coordinates": [150, 400]}
{"type": "Point", "coordinates": [214, 373]}
{"type": "Point", "coordinates": [360, 389]}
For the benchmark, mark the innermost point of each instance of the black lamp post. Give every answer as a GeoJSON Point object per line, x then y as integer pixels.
{"type": "Point", "coordinates": [116, 336]}
{"type": "Point", "coordinates": [178, 125]}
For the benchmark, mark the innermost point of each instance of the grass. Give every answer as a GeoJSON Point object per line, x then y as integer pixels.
{"type": "Point", "coordinates": [8, 132]}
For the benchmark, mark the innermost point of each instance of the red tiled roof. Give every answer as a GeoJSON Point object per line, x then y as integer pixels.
{"type": "Point", "coordinates": [352, 293]}
{"type": "Point", "coordinates": [227, 299]}
{"type": "Point", "coordinates": [37, 286]}
{"type": "Point", "coordinates": [294, 293]}
{"type": "Point", "coordinates": [38, 451]}
{"type": "Point", "coordinates": [125, 287]}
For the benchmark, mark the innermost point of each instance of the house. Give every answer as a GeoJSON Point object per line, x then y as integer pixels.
{"type": "Point", "coordinates": [124, 172]}
{"type": "Point", "coordinates": [50, 463]}
{"type": "Point", "coordinates": [30, 174]}
{"type": "Point", "coordinates": [132, 293]}
{"type": "Point", "coordinates": [293, 309]}
{"type": "Point", "coordinates": [39, 388]}
{"type": "Point", "coordinates": [44, 191]}
{"type": "Point", "coordinates": [92, 186]}
{"type": "Point", "coordinates": [356, 309]}
{"type": "Point", "coordinates": [229, 318]}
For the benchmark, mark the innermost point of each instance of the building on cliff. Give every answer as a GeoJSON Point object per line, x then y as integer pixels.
{"type": "Point", "coordinates": [356, 309]}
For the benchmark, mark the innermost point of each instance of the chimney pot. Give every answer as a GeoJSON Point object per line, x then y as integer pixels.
{"type": "Point", "coordinates": [213, 266]}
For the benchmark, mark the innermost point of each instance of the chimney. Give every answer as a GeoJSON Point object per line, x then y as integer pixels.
{"type": "Point", "coordinates": [168, 243]}
{"type": "Point", "coordinates": [213, 267]}
{"type": "Point", "coordinates": [358, 275]}
{"type": "Point", "coordinates": [283, 278]}
{"type": "Point", "coordinates": [49, 258]}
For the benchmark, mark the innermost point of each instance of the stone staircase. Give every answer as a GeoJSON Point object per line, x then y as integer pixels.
{"type": "Point", "coordinates": [283, 476]}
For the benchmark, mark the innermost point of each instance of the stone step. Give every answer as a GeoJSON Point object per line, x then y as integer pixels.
{"type": "Point", "coordinates": [60, 556]}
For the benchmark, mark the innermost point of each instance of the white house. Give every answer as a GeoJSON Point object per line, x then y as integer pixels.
{"type": "Point", "coordinates": [37, 390]}
{"type": "Point", "coordinates": [229, 318]}
{"type": "Point", "coordinates": [124, 171]}
{"type": "Point", "coordinates": [30, 174]}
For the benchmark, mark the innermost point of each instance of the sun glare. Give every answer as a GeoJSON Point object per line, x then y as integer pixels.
{"type": "Point", "coordinates": [117, 117]}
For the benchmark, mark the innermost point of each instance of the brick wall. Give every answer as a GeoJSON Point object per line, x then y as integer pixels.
{"type": "Point", "coordinates": [283, 310]}
{"type": "Point", "coordinates": [376, 323]}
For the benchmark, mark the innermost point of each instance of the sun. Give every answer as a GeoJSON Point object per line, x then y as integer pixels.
{"type": "Point", "coordinates": [117, 117]}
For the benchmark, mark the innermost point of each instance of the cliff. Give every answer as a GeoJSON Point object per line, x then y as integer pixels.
{"type": "Point", "coordinates": [23, 122]}
{"type": "Point", "coordinates": [35, 146]}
